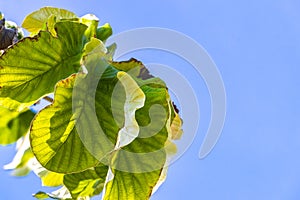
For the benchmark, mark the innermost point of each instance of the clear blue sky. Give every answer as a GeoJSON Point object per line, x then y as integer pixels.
{"type": "Point", "coordinates": [256, 46]}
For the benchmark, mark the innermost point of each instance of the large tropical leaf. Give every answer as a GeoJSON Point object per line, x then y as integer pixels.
{"type": "Point", "coordinates": [42, 61]}
{"type": "Point", "coordinates": [137, 167]}
{"type": "Point", "coordinates": [54, 138]}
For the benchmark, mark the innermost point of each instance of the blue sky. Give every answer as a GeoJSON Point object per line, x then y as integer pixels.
{"type": "Point", "coordinates": [256, 46]}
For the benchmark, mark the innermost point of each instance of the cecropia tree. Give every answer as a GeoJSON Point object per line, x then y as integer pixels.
{"type": "Point", "coordinates": [104, 126]}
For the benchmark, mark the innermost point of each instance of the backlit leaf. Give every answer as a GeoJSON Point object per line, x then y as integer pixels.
{"type": "Point", "coordinates": [54, 138]}
{"type": "Point", "coordinates": [42, 61]}
{"type": "Point", "coordinates": [87, 183]}
{"type": "Point", "coordinates": [103, 32]}
{"type": "Point", "coordinates": [137, 167]}
{"type": "Point", "coordinates": [35, 21]}
{"type": "Point", "coordinates": [13, 125]}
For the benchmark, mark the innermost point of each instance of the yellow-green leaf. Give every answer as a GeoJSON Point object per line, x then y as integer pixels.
{"type": "Point", "coordinates": [35, 21]}
{"type": "Point", "coordinates": [87, 183]}
{"type": "Point", "coordinates": [54, 138]}
{"type": "Point", "coordinates": [103, 32]}
{"type": "Point", "coordinates": [41, 62]}
{"type": "Point", "coordinates": [13, 125]}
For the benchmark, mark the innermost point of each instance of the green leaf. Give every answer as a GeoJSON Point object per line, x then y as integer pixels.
{"type": "Point", "coordinates": [146, 152]}
{"type": "Point", "coordinates": [87, 183]}
{"type": "Point", "coordinates": [41, 195]}
{"type": "Point", "coordinates": [35, 21]}
{"type": "Point", "coordinates": [137, 166]}
{"type": "Point", "coordinates": [92, 22]}
{"type": "Point", "coordinates": [42, 61]}
{"type": "Point", "coordinates": [54, 138]}
{"type": "Point", "coordinates": [61, 194]}
{"type": "Point", "coordinates": [131, 186]}
{"type": "Point", "coordinates": [13, 125]}
{"type": "Point", "coordinates": [104, 32]}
